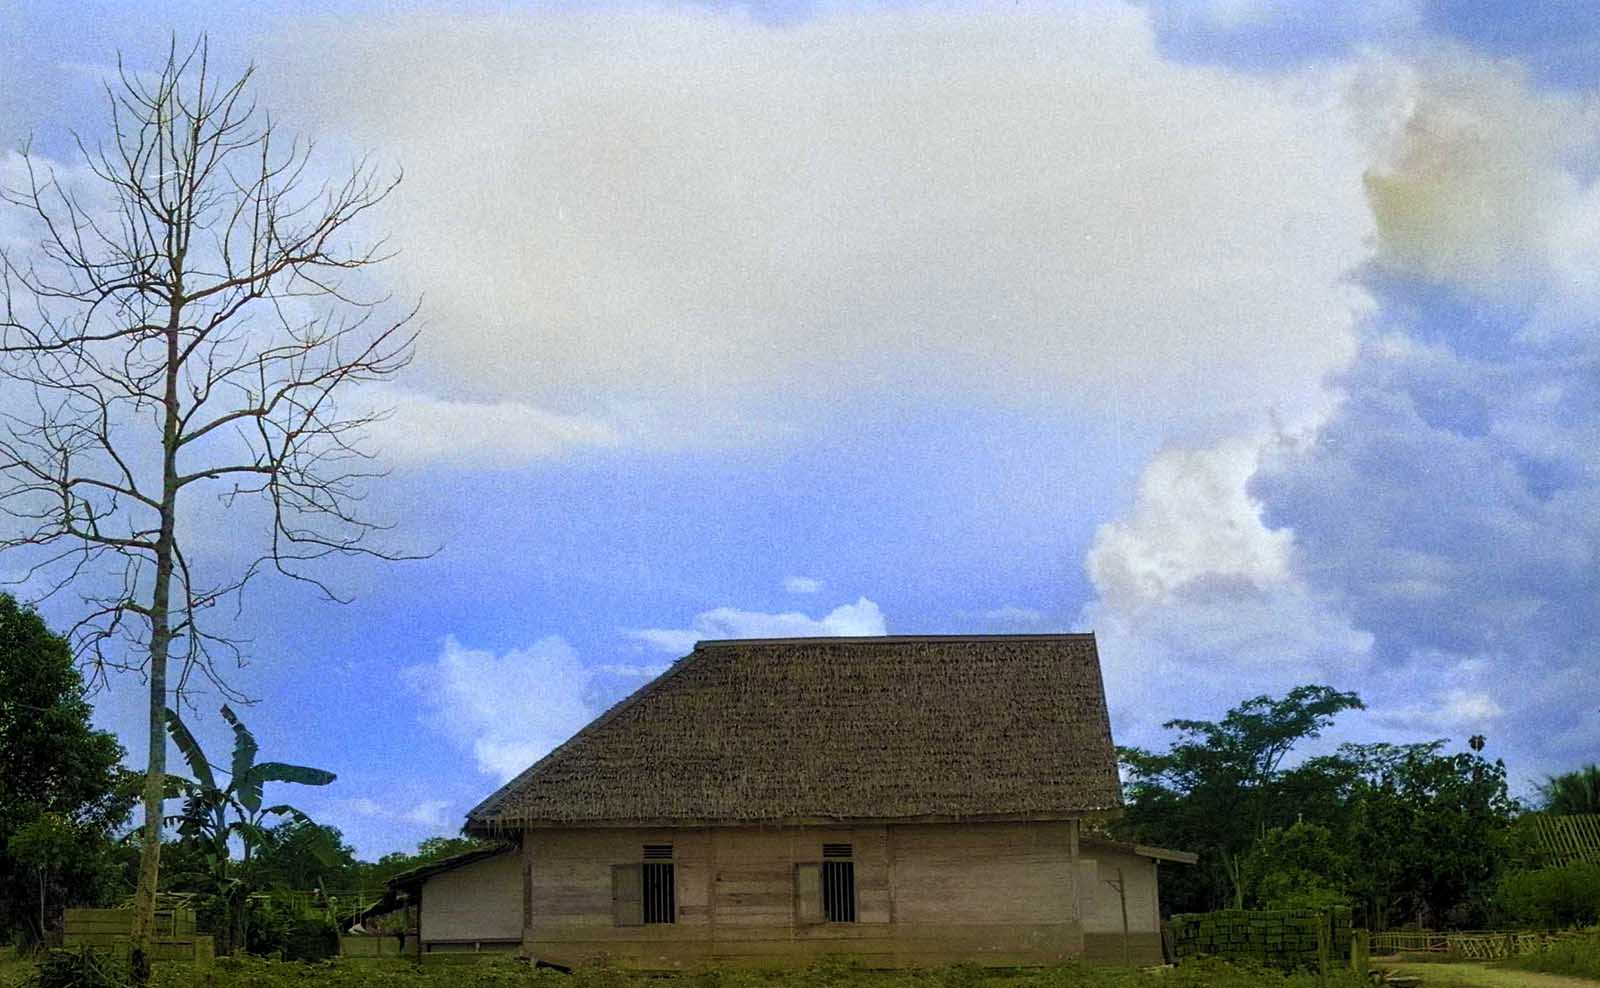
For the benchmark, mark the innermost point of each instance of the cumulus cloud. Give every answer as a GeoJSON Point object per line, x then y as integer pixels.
{"type": "Point", "coordinates": [1475, 172]}
{"type": "Point", "coordinates": [508, 709]}
{"type": "Point", "coordinates": [1192, 521]}
{"type": "Point", "coordinates": [802, 584]}
{"type": "Point", "coordinates": [709, 222]}
{"type": "Point", "coordinates": [860, 618]}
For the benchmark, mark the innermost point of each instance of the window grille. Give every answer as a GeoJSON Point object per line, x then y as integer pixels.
{"type": "Point", "coordinates": [659, 887]}
{"type": "Point", "coordinates": [660, 905]}
{"type": "Point", "coordinates": [838, 883]}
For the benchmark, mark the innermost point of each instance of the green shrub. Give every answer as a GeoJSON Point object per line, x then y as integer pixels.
{"type": "Point", "coordinates": [501, 972]}
{"type": "Point", "coordinates": [1578, 958]}
{"type": "Point", "coordinates": [1552, 898]}
{"type": "Point", "coordinates": [81, 968]}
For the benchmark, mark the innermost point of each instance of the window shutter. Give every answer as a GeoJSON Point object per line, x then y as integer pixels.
{"type": "Point", "coordinates": [627, 894]}
{"type": "Point", "coordinates": [807, 893]}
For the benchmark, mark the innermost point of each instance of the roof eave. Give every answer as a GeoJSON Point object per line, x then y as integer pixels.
{"type": "Point", "coordinates": [500, 827]}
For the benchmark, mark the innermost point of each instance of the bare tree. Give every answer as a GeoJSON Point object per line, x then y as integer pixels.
{"type": "Point", "coordinates": [187, 323]}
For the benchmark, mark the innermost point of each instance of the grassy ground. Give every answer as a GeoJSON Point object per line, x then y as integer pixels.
{"type": "Point", "coordinates": [14, 970]}
{"type": "Point", "coordinates": [1464, 974]}
{"type": "Point", "coordinates": [1576, 958]}
{"type": "Point", "coordinates": [253, 973]}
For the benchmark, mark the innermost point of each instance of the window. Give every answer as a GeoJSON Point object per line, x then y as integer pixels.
{"type": "Point", "coordinates": [838, 883]}
{"type": "Point", "coordinates": [659, 889]}
{"type": "Point", "coordinates": [645, 891]}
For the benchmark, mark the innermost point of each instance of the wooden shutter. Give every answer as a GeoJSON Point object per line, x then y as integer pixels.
{"type": "Point", "coordinates": [807, 894]}
{"type": "Point", "coordinates": [627, 894]}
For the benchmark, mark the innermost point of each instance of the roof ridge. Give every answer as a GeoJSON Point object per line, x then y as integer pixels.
{"type": "Point", "coordinates": [895, 639]}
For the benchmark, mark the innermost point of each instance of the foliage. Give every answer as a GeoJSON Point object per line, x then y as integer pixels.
{"type": "Point", "coordinates": [1552, 898]}
{"type": "Point", "coordinates": [1220, 786]}
{"type": "Point", "coordinates": [429, 851]}
{"type": "Point", "coordinates": [1578, 957]}
{"type": "Point", "coordinates": [303, 855]}
{"type": "Point", "coordinates": [81, 968]}
{"type": "Point", "coordinates": [248, 972]}
{"type": "Point", "coordinates": [213, 815]}
{"type": "Point", "coordinates": [1431, 829]}
{"type": "Point", "coordinates": [1296, 867]}
{"type": "Point", "coordinates": [63, 793]}
{"type": "Point", "coordinates": [1572, 793]}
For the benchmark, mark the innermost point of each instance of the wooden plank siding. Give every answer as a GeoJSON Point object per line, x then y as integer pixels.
{"type": "Point", "coordinates": [997, 893]}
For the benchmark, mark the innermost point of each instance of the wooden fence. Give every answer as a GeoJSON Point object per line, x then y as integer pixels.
{"type": "Point", "coordinates": [1469, 945]}
{"type": "Point", "coordinates": [175, 936]}
{"type": "Point", "coordinates": [1566, 839]}
{"type": "Point", "coordinates": [370, 946]}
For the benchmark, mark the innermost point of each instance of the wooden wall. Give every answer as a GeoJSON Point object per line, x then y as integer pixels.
{"type": "Point", "coordinates": [1102, 909]}
{"type": "Point", "coordinates": [925, 894]}
{"type": "Point", "coordinates": [474, 904]}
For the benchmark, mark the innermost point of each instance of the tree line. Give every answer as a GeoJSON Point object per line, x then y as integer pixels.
{"type": "Point", "coordinates": [1405, 834]}
{"type": "Point", "coordinates": [67, 812]}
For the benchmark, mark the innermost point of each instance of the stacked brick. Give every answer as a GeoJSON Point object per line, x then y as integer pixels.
{"type": "Point", "coordinates": [1289, 939]}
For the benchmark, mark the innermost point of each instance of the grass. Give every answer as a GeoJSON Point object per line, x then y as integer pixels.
{"type": "Point", "coordinates": [1578, 957]}
{"type": "Point", "coordinates": [502, 973]}
{"type": "Point", "coordinates": [15, 970]}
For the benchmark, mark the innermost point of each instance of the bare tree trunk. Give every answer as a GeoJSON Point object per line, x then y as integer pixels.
{"type": "Point", "coordinates": [144, 902]}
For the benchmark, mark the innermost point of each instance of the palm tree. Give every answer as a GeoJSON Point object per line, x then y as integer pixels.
{"type": "Point", "coordinates": [1572, 793]}
{"type": "Point", "coordinates": [213, 815]}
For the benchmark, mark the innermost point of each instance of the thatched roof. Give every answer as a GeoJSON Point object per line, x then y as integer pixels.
{"type": "Point", "coordinates": [837, 729]}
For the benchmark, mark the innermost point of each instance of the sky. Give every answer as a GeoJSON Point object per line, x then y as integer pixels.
{"type": "Point", "coordinates": [1257, 338]}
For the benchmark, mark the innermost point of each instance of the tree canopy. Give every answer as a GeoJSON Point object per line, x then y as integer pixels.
{"type": "Point", "coordinates": [1401, 832]}
{"type": "Point", "coordinates": [63, 791]}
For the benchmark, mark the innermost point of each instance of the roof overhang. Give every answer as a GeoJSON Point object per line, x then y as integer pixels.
{"type": "Point", "coordinates": [482, 828]}
{"type": "Point", "coordinates": [1144, 850]}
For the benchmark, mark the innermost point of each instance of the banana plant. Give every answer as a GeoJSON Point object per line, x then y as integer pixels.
{"type": "Point", "coordinates": [213, 814]}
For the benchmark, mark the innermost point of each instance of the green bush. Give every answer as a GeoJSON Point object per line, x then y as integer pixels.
{"type": "Point", "coordinates": [81, 968]}
{"type": "Point", "coordinates": [1578, 958]}
{"type": "Point", "coordinates": [253, 972]}
{"type": "Point", "coordinates": [1552, 898]}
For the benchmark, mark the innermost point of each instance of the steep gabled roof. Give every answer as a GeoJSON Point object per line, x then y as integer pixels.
{"type": "Point", "coordinates": [820, 729]}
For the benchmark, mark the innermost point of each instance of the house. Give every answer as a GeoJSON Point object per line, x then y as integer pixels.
{"type": "Point", "coordinates": [896, 800]}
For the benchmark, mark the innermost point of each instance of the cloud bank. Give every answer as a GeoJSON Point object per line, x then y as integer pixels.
{"type": "Point", "coordinates": [714, 228]}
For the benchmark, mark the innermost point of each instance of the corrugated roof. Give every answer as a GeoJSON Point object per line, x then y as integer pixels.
{"type": "Point", "coordinates": [818, 729]}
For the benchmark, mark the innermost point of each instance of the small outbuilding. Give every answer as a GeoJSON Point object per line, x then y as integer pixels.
{"type": "Point", "coordinates": [893, 800]}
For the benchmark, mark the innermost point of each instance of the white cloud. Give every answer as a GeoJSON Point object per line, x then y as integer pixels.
{"type": "Point", "coordinates": [632, 671]}
{"type": "Point", "coordinates": [860, 618]}
{"type": "Point", "coordinates": [1011, 614]}
{"type": "Point", "coordinates": [421, 429]}
{"type": "Point", "coordinates": [1475, 171]}
{"type": "Point", "coordinates": [1193, 520]}
{"type": "Point", "coordinates": [802, 584]}
{"type": "Point", "coordinates": [508, 709]}
{"type": "Point", "coordinates": [430, 813]}
{"type": "Point", "coordinates": [713, 222]}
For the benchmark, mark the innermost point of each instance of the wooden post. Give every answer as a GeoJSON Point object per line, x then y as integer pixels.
{"type": "Point", "coordinates": [1324, 944]}
{"type": "Point", "coordinates": [1360, 952]}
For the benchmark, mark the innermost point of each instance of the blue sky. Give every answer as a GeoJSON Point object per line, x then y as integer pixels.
{"type": "Point", "coordinates": [1257, 338]}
